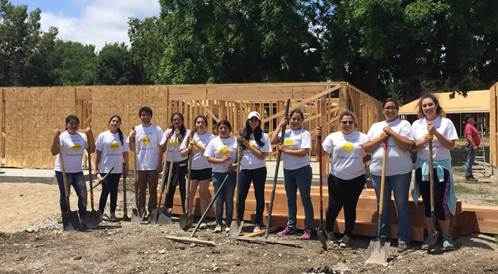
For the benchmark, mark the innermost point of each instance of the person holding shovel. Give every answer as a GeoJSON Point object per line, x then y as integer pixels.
{"type": "Point", "coordinates": [398, 135]}
{"type": "Point", "coordinates": [71, 144]}
{"type": "Point", "coordinates": [347, 174]}
{"type": "Point", "coordinates": [177, 135]}
{"type": "Point", "coordinates": [433, 127]}
{"type": "Point", "coordinates": [112, 152]}
{"type": "Point", "coordinates": [221, 154]}
{"type": "Point", "coordinates": [144, 140]}
{"type": "Point", "coordinates": [256, 146]}
{"type": "Point", "coordinates": [297, 171]}
{"type": "Point", "coordinates": [201, 169]}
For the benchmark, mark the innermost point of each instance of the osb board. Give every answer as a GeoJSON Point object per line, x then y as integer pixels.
{"type": "Point", "coordinates": [2, 126]}
{"type": "Point", "coordinates": [493, 125]}
{"type": "Point", "coordinates": [34, 113]}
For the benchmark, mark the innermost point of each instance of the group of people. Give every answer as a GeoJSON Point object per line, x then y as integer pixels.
{"type": "Point", "coordinates": [214, 160]}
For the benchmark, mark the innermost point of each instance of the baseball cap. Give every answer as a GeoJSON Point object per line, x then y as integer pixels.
{"type": "Point", "coordinates": [253, 114]}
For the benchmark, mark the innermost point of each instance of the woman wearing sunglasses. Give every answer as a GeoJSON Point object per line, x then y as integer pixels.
{"type": "Point", "coordinates": [347, 173]}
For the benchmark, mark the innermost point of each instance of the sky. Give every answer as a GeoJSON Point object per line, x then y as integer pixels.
{"type": "Point", "coordinates": [91, 21]}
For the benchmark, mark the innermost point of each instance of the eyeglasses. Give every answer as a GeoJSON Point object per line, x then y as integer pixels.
{"type": "Point", "coordinates": [347, 122]}
{"type": "Point", "coordinates": [391, 108]}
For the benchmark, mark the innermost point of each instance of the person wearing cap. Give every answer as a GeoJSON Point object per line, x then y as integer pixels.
{"type": "Point", "coordinates": [255, 147]}
{"type": "Point", "coordinates": [473, 143]}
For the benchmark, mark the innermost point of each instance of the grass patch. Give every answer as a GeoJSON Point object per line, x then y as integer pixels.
{"type": "Point", "coordinates": [459, 170]}
{"type": "Point", "coordinates": [467, 190]}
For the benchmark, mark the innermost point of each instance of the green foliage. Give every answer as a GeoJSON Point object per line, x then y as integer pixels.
{"type": "Point", "coordinates": [114, 66]}
{"type": "Point", "coordinates": [75, 63]}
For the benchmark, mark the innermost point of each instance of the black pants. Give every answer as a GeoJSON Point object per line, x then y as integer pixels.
{"type": "Point", "coordinates": [178, 178]}
{"type": "Point", "coordinates": [441, 191]}
{"type": "Point", "coordinates": [258, 177]}
{"type": "Point", "coordinates": [109, 186]}
{"type": "Point", "coordinates": [344, 193]}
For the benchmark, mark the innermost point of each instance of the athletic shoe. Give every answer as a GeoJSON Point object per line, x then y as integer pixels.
{"type": "Point", "coordinates": [202, 225]}
{"type": "Point", "coordinates": [113, 218]}
{"type": "Point", "coordinates": [331, 236]}
{"type": "Point", "coordinates": [287, 231]}
{"type": "Point", "coordinates": [257, 228]}
{"type": "Point", "coordinates": [345, 241]}
{"type": "Point", "coordinates": [447, 244]}
{"type": "Point", "coordinates": [426, 243]}
{"type": "Point", "coordinates": [83, 227]}
{"type": "Point", "coordinates": [306, 235]}
{"type": "Point", "coordinates": [470, 178]}
{"type": "Point", "coordinates": [217, 229]}
{"type": "Point", "coordinates": [402, 246]}
{"type": "Point", "coordinates": [227, 229]}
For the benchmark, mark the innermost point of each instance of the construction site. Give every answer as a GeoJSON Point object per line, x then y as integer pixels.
{"type": "Point", "coordinates": [32, 239]}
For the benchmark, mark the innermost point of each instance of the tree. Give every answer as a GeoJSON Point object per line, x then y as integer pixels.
{"type": "Point", "coordinates": [75, 63]}
{"type": "Point", "coordinates": [114, 66]}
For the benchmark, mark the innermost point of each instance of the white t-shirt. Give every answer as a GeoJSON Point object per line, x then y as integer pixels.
{"type": "Point", "coordinates": [199, 161]}
{"type": "Point", "coordinates": [346, 151]}
{"type": "Point", "coordinates": [174, 145]}
{"type": "Point", "coordinates": [219, 147]}
{"type": "Point", "coordinates": [111, 151]}
{"type": "Point", "coordinates": [445, 127]}
{"type": "Point", "coordinates": [399, 161]}
{"type": "Point", "coordinates": [296, 139]}
{"type": "Point", "coordinates": [72, 146]}
{"type": "Point", "coordinates": [147, 140]}
{"type": "Point", "coordinates": [249, 161]}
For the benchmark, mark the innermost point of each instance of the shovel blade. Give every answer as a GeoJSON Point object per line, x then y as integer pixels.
{"type": "Point", "coordinates": [92, 219]}
{"type": "Point", "coordinates": [323, 239]}
{"type": "Point", "coordinates": [159, 216]}
{"type": "Point", "coordinates": [186, 221]}
{"type": "Point", "coordinates": [70, 221]}
{"type": "Point", "coordinates": [236, 229]}
{"type": "Point", "coordinates": [377, 253]}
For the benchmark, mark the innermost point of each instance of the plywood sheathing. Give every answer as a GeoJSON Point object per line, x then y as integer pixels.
{"type": "Point", "coordinates": [493, 124]}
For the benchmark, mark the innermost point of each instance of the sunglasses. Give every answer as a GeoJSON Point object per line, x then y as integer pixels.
{"type": "Point", "coordinates": [347, 122]}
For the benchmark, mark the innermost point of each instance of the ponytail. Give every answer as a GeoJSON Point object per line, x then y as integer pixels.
{"type": "Point", "coordinates": [120, 133]}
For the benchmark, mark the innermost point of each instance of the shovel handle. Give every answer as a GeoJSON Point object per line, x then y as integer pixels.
{"type": "Point", "coordinates": [381, 190]}
{"type": "Point", "coordinates": [90, 178]}
{"type": "Point", "coordinates": [320, 167]}
{"type": "Point", "coordinates": [64, 176]}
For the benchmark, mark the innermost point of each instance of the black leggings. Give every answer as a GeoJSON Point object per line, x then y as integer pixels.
{"type": "Point", "coordinates": [109, 186]}
{"type": "Point", "coordinates": [178, 178]}
{"type": "Point", "coordinates": [258, 177]}
{"type": "Point", "coordinates": [441, 191]}
{"type": "Point", "coordinates": [344, 193]}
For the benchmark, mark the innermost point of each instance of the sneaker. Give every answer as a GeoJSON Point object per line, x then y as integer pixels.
{"type": "Point", "coordinates": [257, 228]}
{"type": "Point", "coordinates": [402, 246]}
{"type": "Point", "coordinates": [331, 236]}
{"type": "Point", "coordinates": [203, 225]}
{"type": "Point", "coordinates": [447, 244]}
{"type": "Point", "coordinates": [470, 178]}
{"type": "Point", "coordinates": [426, 243]}
{"type": "Point", "coordinates": [112, 217]}
{"type": "Point", "coordinates": [306, 235]}
{"type": "Point", "coordinates": [227, 229]}
{"type": "Point", "coordinates": [217, 229]}
{"type": "Point", "coordinates": [345, 241]}
{"type": "Point", "coordinates": [83, 227]}
{"type": "Point", "coordinates": [287, 231]}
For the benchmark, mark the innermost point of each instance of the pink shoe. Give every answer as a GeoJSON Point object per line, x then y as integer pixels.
{"type": "Point", "coordinates": [287, 231]}
{"type": "Point", "coordinates": [306, 235]}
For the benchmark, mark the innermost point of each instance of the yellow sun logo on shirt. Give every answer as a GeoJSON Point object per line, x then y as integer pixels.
{"type": "Point", "coordinates": [146, 140]}
{"type": "Point", "coordinates": [114, 145]}
{"type": "Point", "coordinates": [76, 147]}
{"type": "Point", "coordinates": [224, 150]}
{"type": "Point", "coordinates": [288, 142]}
{"type": "Point", "coordinates": [347, 147]}
{"type": "Point", "coordinates": [253, 143]}
{"type": "Point", "coordinates": [174, 142]}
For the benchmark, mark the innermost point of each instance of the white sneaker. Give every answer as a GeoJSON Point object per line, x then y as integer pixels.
{"type": "Point", "coordinates": [203, 225]}
{"type": "Point", "coordinates": [257, 228]}
{"type": "Point", "coordinates": [217, 229]}
{"type": "Point", "coordinates": [227, 229]}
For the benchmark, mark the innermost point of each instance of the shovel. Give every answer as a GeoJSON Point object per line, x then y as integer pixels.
{"type": "Point", "coordinates": [101, 179]}
{"type": "Point", "coordinates": [378, 250]}
{"type": "Point", "coordinates": [70, 219]}
{"type": "Point", "coordinates": [93, 217]}
{"type": "Point", "coordinates": [321, 231]}
{"type": "Point", "coordinates": [435, 233]}
{"type": "Point", "coordinates": [236, 227]}
{"type": "Point", "coordinates": [187, 219]}
{"type": "Point", "coordinates": [136, 214]}
{"type": "Point", "coordinates": [159, 216]}
{"type": "Point", "coordinates": [125, 204]}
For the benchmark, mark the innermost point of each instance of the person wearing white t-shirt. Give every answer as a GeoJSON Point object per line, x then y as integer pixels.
{"type": "Point", "coordinates": [256, 146]}
{"type": "Point", "coordinates": [220, 153]}
{"type": "Point", "coordinates": [347, 173]}
{"type": "Point", "coordinates": [201, 169]}
{"type": "Point", "coordinates": [144, 140]}
{"type": "Point", "coordinates": [71, 144]}
{"type": "Point", "coordinates": [432, 126]}
{"type": "Point", "coordinates": [173, 138]}
{"type": "Point", "coordinates": [112, 151]}
{"type": "Point", "coordinates": [398, 135]}
{"type": "Point", "coordinates": [297, 171]}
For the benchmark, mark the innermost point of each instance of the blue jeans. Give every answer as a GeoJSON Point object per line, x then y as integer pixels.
{"type": "Point", "coordinates": [258, 177]}
{"type": "Point", "coordinates": [225, 197]}
{"type": "Point", "coordinates": [471, 155]}
{"type": "Point", "coordinates": [78, 182]}
{"type": "Point", "coordinates": [400, 186]}
{"type": "Point", "coordinates": [294, 179]}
